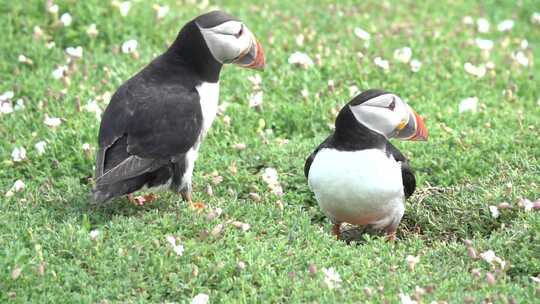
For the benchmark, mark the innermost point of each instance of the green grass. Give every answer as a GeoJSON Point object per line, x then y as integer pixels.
{"type": "Point", "coordinates": [464, 167]}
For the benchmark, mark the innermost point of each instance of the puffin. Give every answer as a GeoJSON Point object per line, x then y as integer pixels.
{"type": "Point", "coordinates": [357, 175]}
{"type": "Point", "coordinates": [153, 126]}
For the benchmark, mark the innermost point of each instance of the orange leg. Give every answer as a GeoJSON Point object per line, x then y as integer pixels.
{"type": "Point", "coordinates": [337, 231]}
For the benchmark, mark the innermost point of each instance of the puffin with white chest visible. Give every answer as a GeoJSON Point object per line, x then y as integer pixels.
{"type": "Point", "coordinates": [357, 175]}
{"type": "Point", "coordinates": [152, 128]}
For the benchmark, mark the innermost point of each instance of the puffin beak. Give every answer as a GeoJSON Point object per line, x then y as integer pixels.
{"type": "Point", "coordinates": [253, 58]}
{"type": "Point", "coordinates": [413, 129]}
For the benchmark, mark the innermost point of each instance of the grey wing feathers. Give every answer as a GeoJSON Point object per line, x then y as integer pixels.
{"type": "Point", "coordinates": [131, 167]}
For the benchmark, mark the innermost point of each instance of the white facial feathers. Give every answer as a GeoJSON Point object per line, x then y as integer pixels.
{"type": "Point", "coordinates": [228, 40]}
{"type": "Point", "coordinates": [383, 114]}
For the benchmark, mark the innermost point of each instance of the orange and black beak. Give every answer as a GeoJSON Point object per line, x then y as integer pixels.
{"type": "Point", "coordinates": [253, 58]}
{"type": "Point", "coordinates": [413, 129]}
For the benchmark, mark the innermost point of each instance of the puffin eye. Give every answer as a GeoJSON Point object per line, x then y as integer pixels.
{"type": "Point", "coordinates": [392, 105]}
{"type": "Point", "coordinates": [237, 35]}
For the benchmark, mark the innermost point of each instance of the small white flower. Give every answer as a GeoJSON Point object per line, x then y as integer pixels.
{"type": "Point", "coordinates": [484, 44]}
{"type": "Point", "coordinates": [94, 234]}
{"type": "Point", "coordinates": [18, 154]}
{"type": "Point", "coordinates": [38, 32]}
{"type": "Point", "coordinates": [416, 65]}
{"type": "Point", "coordinates": [535, 18]}
{"type": "Point", "coordinates": [76, 52]}
{"type": "Point", "coordinates": [66, 19]}
{"type": "Point", "coordinates": [161, 11]}
{"type": "Point", "coordinates": [300, 59]}
{"type": "Point", "coordinates": [201, 298]}
{"type": "Point", "coordinates": [478, 71]}
{"type": "Point", "coordinates": [383, 64]}
{"type": "Point", "coordinates": [521, 58]}
{"type": "Point", "coordinates": [468, 20]}
{"type": "Point", "coordinates": [40, 147]}
{"type": "Point", "coordinates": [412, 261]}
{"type": "Point", "coordinates": [86, 147]}
{"type": "Point", "coordinates": [52, 122]}
{"type": "Point", "coordinates": [490, 65]}
{"type": "Point", "coordinates": [300, 40]}
{"type": "Point", "coordinates": [353, 91]}
{"type": "Point", "coordinates": [271, 178]}
{"type": "Point", "coordinates": [526, 204]}
{"type": "Point", "coordinates": [7, 96]}
{"type": "Point", "coordinates": [93, 107]}
{"type": "Point", "coordinates": [482, 25]}
{"type": "Point", "coordinates": [59, 72]}
{"type": "Point", "coordinates": [22, 58]}
{"type": "Point", "coordinates": [524, 44]}
{"type": "Point", "coordinates": [304, 93]}
{"type": "Point", "coordinates": [6, 107]}
{"type": "Point", "coordinates": [494, 211]}
{"type": "Point", "coordinates": [53, 9]}
{"type": "Point", "coordinates": [490, 257]}
{"type": "Point", "coordinates": [50, 45]}
{"type": "Point", "coordinates": [403, 55]}
{"type": "Point", "coordinates": [92, 30]}
{"type": "Point", "coordinates": [129, 46]}
{"type": "Point", "coordinates": [178, 248]}
{"type": "Point", "coordinates": [123, 7]}
{"type": "Point", "coordinates": [505, 26]}
{"type": "Point", "coordinates": [256, 99]}
{"type": "Point", "coordinates": [405, 299]}
{"type": "Point", "coordinates": [18, 186]}
{"type": "Point", "coordinates": [256, 80]}
{"type": "Point", "coordinates": [360, 33]}
{"type": "Point", "coordinates": [19, 105]}
{"type": "Point", "coordinates": [332, 279]}
{"type": "Point", "coordinates": [469, 104]}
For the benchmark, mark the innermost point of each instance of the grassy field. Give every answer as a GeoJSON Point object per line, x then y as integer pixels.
{"type": "Point", "coordinates": [56, 248]}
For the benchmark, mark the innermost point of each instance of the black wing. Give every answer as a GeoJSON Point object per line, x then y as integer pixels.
{"type": "Point", "coordinates": [311, 157]}
{"type": "Point", "coordinates": [409, 181]}
{"type": "Point", "coordinates": [145, 126]}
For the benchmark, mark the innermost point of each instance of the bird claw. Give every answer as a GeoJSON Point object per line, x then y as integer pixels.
{"type": "Point", "coordinates": [141, 200]}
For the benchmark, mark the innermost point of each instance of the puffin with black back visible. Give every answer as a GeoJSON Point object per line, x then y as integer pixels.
{"type": "Point", "coordinates": [356, 174]}
{"type": "Point", "coordinates": [152, 128]}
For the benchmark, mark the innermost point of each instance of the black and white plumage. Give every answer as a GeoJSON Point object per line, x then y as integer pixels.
{"type": "Point", "coordinates": [356, 174]}
{"type": "Point", "coordinates": [153, 126]}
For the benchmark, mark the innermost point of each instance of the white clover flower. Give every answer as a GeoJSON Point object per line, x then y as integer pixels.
{"type": "Point", "coordinates": [129, 46]}
{"type": "Point", "coordinates": [403, 55]}
{"type": "Point", "coordinates": [161, 11]}
{"type": "Point", "coordinates": [300, 59]}
{"type": "Point", "coordinates": [405, 299]}
{"type": "Point", "coordinates": [416, 65]}
{"type": "Point", "coordinates": [505, 25]}
{"type": "Point", "coordinates": [60, 72]}
{"type": "Point", "coordinates": [40, 147]}
{"type": "Point", "coordinates": [484, 44]}
{"type": "Point", "coordinates": [482, 25]}
{"type": "Point", "coordinates": [468, 20]}
{"type": "Point", "coordinates": [201, 298]}
{"type": "Point", "coordinates": [521, 58]}
{"type": "Point", "coordinates": [76, 52]}
{"type": "Point", "coordinates": [177, 248]}
{"type": "Point", "coordinates": [360, 33]}
{"type": "Point", "coordinates": [66, 19]}
{"type": "Point", "coordinates": [383, 64]}
{"type": "Point", "coordinates": [18, 154]}
{"type": "Point", "coordinates": [478, 71]}
{"type": "Point", "coordinates": [92, 30]}
{"type": "Point", "coordinates": [52, 122]}
{"type": "Point", "coordinates": [94, 234]}
{"type": "Point", "coordinates": [494, 211]}
{"type": "Point", "coordinates": [469, 104]}
{"type": "Point", "coordinates": [7, 96]}
{"type": "Point", "coordinates": [256, 99]}
{"type": "Point", "coordinates": [18, 186]}
{"type": "Point", "coordinates": [53, 9]}
{"type": "Point", "coordinates": [535, 18]}
{"type": "Point", "coordinates": [93, 107]}
{"type": "Point", "coordinates": [6, 107]}
{"type": "Point", "coordinates": [332, 279]}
